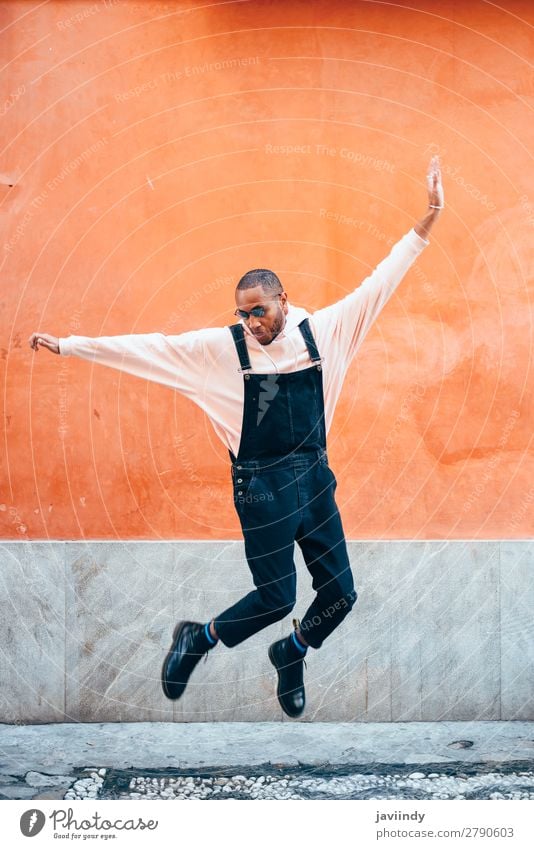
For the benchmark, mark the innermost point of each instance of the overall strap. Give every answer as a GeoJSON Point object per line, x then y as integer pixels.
{"type": "Point", "coordinates": [241, 346]}
{"type": "Point", "coordinates": [313, 351]}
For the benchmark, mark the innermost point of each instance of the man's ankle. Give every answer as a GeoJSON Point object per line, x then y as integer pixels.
{"type": "Point", "coordinates": [207, 640]}
{"type": "Point", "coordinates": [301, 639]}
{"type": "Point", "coordinates": [296, 648]}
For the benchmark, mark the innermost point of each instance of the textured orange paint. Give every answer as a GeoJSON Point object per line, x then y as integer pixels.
{"type": "Point", "coordinates": [155, 151]}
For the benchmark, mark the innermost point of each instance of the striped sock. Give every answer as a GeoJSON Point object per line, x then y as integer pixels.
{"type": "Point", "coordinates": [303, 649]}
{"type": "Point", "coordinates": [211, 640]}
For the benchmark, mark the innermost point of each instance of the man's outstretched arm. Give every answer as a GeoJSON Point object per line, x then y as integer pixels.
{"type": "Point", "coordinates": [345, 323]}
{"type": "Point", "coordinates": [175, 361]}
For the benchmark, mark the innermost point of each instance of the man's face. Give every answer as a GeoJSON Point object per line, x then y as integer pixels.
{"type": "Point", "coordinates": [269, 325]}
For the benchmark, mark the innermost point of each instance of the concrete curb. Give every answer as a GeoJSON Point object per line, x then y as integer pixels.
{"type": "Point", "coordinates": [60, 748]}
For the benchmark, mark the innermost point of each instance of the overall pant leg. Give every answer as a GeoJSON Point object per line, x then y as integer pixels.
{"type": "Point", "coordinates": [269, 521]}
{"type": "Point", "coordinates": [322, 541]}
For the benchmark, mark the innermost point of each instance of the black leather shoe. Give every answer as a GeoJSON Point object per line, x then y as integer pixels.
{"type": "Point", "coordinates": [290, 690]}
{"type": "Point", "coordinates": [181, 660]}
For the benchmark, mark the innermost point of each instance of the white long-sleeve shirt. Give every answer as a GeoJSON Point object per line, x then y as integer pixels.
{"type": "Point", "coordinates": [203, 364]}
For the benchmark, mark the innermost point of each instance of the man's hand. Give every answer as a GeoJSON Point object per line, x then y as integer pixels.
{"type": "Point", "coordinates": [435, 199]}
{"type": "Point", "coordinates": [433, 180]}
{"type": "Point", "coordinates": [51, 343]}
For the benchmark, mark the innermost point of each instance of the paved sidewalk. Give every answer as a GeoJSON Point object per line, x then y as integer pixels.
{"type": "Point", "coordinates": [186, 760]}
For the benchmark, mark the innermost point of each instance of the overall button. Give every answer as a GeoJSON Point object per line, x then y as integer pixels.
{"type": "Point", "coordinates": [240, 480]}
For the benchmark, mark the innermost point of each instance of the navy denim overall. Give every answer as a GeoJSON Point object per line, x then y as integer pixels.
{"type": "Point", "coordinates": [284, 493]}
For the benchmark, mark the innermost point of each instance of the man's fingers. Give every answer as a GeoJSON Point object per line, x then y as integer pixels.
{"type": "Point", "coordinates": [36, 339]}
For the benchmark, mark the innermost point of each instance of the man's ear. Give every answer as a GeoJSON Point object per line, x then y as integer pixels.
{"type": "Point", "coordinates": [283, 300]}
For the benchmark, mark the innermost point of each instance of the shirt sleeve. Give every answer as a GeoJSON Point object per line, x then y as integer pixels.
{"type": "Point", "coordinates": [345, 323]}
{"type": "Point", "coordinates": [174, 361]}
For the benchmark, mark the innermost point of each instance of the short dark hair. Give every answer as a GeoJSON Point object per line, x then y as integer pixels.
{"type": "Point", "coordinates": [268, 281]}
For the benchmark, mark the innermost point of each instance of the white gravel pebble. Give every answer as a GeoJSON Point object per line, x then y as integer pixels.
{"type": "Point", "coordinates": [309, 786]}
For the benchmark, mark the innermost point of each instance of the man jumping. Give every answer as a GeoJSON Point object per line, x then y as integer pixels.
{"type": "Point", "coordinates": [269, 385]}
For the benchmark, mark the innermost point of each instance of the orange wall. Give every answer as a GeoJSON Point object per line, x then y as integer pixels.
{"type": "Point", "coordinates": [138, 185]}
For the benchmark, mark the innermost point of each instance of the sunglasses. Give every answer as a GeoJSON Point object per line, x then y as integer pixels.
{"type": "Point", "coordinates": [258, 312]}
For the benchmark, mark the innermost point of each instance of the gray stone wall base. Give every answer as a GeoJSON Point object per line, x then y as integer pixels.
{"type": "Point", "coordinates": [440, 631]}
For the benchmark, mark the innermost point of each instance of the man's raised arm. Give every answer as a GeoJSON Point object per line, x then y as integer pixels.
{"type": "Point", "coordinates": [347, 322]}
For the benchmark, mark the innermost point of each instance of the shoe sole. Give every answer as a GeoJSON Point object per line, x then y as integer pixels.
{"type": "Point", "coordinates": [175, 634]}
{"type": "Point", "coordinates": [273, 661]}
